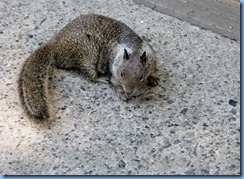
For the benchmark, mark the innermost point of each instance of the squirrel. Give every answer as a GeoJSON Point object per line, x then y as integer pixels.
{"type": "Point", "coordinates": [98, 47]}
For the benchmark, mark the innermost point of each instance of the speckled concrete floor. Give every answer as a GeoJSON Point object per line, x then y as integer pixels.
{"type": "Point", "coordinates": [191, 127]}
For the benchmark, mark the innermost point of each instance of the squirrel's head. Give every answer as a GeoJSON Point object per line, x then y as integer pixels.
{"type": "Point", "coordinates": [133, 72]}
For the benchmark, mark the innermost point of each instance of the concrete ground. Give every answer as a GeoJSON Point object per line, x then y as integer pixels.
{"type": "Point", "coordinates": [220, 16]}
{"type": "Point", "coordinates": [189, 124]}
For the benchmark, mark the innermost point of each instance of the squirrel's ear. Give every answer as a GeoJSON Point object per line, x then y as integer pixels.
{"type": "Point", "coordinates": [143, 58]}
{"type": "Point", "coordinates": [126, 55]}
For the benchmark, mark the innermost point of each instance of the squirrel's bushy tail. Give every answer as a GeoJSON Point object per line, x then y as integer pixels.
{"type": "Point", "coordinates": [33, 85]}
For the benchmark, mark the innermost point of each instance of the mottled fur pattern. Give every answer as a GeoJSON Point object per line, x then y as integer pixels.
{"type": "Point", "coordinates": [97, 47]}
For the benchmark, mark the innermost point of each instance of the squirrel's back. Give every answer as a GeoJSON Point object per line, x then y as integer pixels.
{"type": "Point", "coordinates": [97, 28]}
{"type": "Point", "coordinates": [94, 35]}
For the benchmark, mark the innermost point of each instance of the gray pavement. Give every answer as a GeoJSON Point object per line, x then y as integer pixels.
{"type": "Point", "coordinates": [220, 16]}
{"type": "Point", "coordinates": [189, 125]}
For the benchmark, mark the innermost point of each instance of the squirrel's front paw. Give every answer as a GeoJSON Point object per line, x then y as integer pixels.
{"type": "Point", "coordinates": [153, 81]}
{"type": "Point", "coordinates": [123, 96]}
{"type": "Point", "coordinates": [120, 91]}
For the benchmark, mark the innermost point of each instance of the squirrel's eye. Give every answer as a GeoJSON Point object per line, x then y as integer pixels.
{"type": "Point", "coordinates": [122, 74]}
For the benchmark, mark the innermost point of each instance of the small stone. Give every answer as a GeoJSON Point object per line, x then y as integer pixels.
{"type": "Point", "coordinates": [152, 135]}
{"type": "Point", "coordinates": [170, 101]}
{"type": "Point", "coordinates": [40, 43]}
{"type": "Point", "coordinates": [169, 124]}
{"type": "Point", "coordinates": [184, 111]}
{"type": "Point", "coordinates": [30, 36]}
{"type": "Point", "coordinates": [121, 164]}
{"type": "Point", "coordinates": [127, 108]}
{"type": "Point", "coordinates": [55, 167]}
{"type": "Point", "coordinates": [177, 141]}
{"type": "Point", "coordinates": [63, 108]}
{"type": "Point", "coordinates": [204, 125]}
{"type": "Point", "coordinates": [232, 119]}
{"type": "Point", "coordinates": [82, 88]}
{"type": "Point", "coordinates": [233, 111]}
{"type": "Point", "coordinates": [140, 166]}
{"type": "Point", "coordinates": [232, 102]}
{"type": "Point", "coordinates": [165, 143]}
{"type": "Point", "coordinates": [145, 118]}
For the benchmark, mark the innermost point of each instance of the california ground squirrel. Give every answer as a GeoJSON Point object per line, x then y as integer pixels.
{"type": "Point", "coordinates": [100, 48]}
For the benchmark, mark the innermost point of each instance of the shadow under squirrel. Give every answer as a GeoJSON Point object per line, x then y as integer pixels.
{"type": "Point", "coordinates": [100, 48]}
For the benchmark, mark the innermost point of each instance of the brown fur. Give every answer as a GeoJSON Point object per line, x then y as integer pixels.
{"type": "Point", "coordinates": [86, 44]}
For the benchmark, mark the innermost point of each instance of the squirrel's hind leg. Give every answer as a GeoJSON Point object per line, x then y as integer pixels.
{"type": "Point", "coordinates": [93, 75]}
